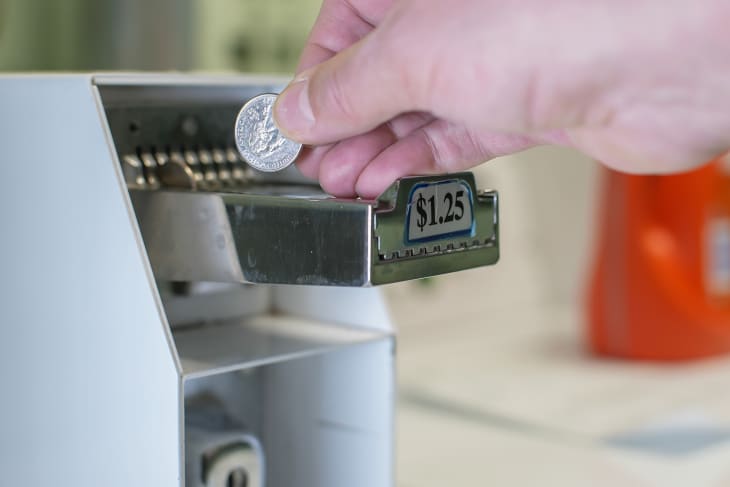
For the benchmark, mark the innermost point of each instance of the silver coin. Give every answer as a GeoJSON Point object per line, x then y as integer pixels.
{"type": "Point", "coordinates": [258, 139]}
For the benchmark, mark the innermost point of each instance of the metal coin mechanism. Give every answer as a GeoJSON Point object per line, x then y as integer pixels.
{"type": "Point", "coordinates": [259, 141]}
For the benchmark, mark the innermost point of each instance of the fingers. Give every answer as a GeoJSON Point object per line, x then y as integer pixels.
{"type": "Point", "coordinates": [341, 167]}
{"type": "Point", "coordinates": [338, 166]}
{"type": "Point", "coordinates": [411, 144]}
{"type": "Point", "coordinates": [336, 28]}
{"type": "Point", "coordinates": [309, 159]}
{"type": "Point", "coordinates": [378, 77]}
{"type": "Point", "coordinates": [351, 93]}
{"type": "Point", "coordinates": [340, 24]}
{"type": "Point", "coordinates": [435, 148]}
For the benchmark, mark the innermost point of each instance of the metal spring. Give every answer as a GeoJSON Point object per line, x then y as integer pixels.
{"type": "Point", "coordinates": [193, 169]}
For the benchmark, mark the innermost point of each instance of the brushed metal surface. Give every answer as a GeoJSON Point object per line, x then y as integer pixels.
{"type": "Point", "coordinates": [296, 235]}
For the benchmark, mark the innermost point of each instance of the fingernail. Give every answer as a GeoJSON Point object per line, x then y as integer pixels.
{"type": "Point", "coordinates": [292, 111]}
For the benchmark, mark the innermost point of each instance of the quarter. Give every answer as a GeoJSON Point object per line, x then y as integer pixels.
{"type": "Point", "coordinates": [259, 141]}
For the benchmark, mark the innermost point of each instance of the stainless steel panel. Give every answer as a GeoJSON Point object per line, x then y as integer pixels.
{"type": "Point", "coordinates": [297, 235]}
{"type": "Point", "coordinates": [254, 238]}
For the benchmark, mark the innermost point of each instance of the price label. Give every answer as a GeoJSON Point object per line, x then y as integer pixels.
{"type": "Point", "coordinates": [441, 209]}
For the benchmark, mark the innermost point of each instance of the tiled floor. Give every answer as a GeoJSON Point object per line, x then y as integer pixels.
{"type": "Point", "coordinates": [512, 397]}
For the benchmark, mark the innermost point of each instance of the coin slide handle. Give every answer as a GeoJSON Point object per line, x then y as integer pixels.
{"type": "Point", "coordinates": [423, 215]}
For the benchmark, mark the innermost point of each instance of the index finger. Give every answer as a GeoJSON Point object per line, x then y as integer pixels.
{"type": "Point", "coordinates": [340, 24]}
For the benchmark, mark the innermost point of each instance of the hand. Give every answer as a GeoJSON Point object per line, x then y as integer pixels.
{"type": "Point", "coordinates": [387, 88]}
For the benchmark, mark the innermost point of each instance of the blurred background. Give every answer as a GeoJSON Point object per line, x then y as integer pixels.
{"type": "Point", "coordinates": [499, 376]}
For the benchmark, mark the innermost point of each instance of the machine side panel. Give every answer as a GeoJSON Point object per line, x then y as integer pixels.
{"type": "Point", "coordinates": [90, 390]}
{"type": "Point", "coordinates": [357, 307]}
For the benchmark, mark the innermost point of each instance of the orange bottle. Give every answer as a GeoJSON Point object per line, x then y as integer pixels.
{"type": "Point", "coordinates": [660, 288]}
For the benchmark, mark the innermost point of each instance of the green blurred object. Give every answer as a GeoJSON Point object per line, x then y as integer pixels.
{"type": "Point", "coordinates": [426, 282]}
{"type": "Point", "coordinates": [253, 36]}
{"type": "Point", "coordinates": [209, 35]}
{"type": "Point", "coordinates": [75, 35]}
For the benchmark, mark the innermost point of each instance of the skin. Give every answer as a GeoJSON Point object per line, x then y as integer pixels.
{"type": "Point", "coordinates": [387, 88]}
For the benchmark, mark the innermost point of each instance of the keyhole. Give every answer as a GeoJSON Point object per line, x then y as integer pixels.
{"type": "Point", "coordinates": [237, 478]}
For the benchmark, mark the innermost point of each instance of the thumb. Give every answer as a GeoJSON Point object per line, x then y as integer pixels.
{"type": "Point", "coordinates": [349, 94]}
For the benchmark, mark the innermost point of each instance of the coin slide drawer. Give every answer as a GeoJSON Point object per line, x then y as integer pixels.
{"type": "Point", "coordinates": [205, 215]}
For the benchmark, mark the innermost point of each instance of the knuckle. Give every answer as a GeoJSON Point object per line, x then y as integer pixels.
{"type": "Point", "coordinates": [339, 96]}
{"type": "Point", "coordinates": [437, 159]}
